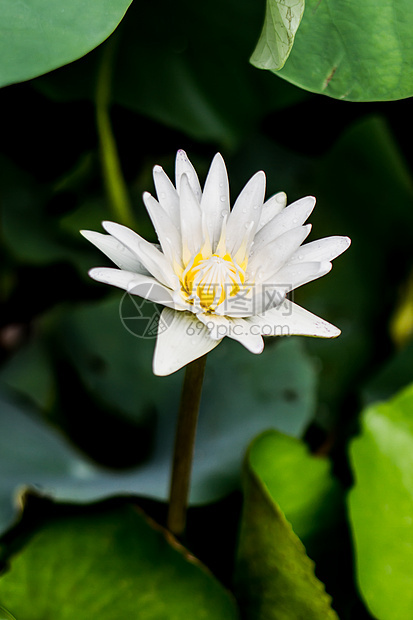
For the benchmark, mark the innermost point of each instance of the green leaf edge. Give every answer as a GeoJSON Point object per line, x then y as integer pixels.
{"type": "Point", "coordinates": [266, 54]}
{"type": "Point", "coordinates": [254, 487]}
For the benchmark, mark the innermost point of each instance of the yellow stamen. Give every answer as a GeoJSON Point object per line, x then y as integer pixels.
{"type": "Point", "coordinates": [209, 278]}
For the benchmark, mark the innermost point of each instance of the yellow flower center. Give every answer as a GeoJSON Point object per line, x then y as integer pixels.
{"type": "Point", "coordinates": [211, 276]}
{"type": "Point", "coordinates": [207, 282]}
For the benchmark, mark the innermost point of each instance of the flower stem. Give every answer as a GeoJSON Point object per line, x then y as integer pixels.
{"type": "Point", "coordinates": [184, 445]}
{"type": "Point", "coordinates": [112, 172]}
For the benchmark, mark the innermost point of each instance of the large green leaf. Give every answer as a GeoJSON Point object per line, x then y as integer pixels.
{"type": "Point", "coordinates": [110, 565]}
{"type": "Point", "coordinates": [358, 51]}
{"type": "Point", "coordinates": [40, 35]}
{"type": "Point", "coordinates": [275, 577]}
{"type": "Point", "coordinates": [381, 507]}
{"type": "Point", "coordinates": [282, 19]}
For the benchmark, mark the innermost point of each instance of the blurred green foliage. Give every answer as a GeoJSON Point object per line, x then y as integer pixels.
{"type": "Point", "coordinates": [81, 415]}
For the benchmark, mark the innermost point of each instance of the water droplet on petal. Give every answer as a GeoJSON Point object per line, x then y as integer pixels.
{"type": "Point", "coordinates": [295, 220]}
{"type": "Point", "coordinates": [246, 225]}
{"type": "Point", "coordinates": [223, 213]}
{"type": "Point", "coordinates": [222, 198]}
{"type": "Point", "coordinates": [244, 210]}
{"type": "Point", "coordinates": [255, 207]}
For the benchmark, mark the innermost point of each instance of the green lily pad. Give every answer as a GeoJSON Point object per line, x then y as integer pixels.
{"type": "Point", "coordinates": [381, 506]}
{"type": "Point", "coordinates": [352, 50]}
{"type": "Point", "coordinates": [41, 35]}
{"type": "Point", "coordinates": [110, 564]}
{"type": "Point", "coordinates": [275, 577]}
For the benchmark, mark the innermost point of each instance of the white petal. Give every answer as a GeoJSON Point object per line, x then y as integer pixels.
{"type": "Point", "coordinates": [215, 199]}
{"type": "Point", "coordinates": [167, 195]}
{"type": "Point", "coordinates": [135, 283]}
{"type": "Point", "coordinates": [288, 319]}
{"type": "Point", "coordinates": [272, 207]}
{"type": "Point", "coordinates": [116, 251]}
{"type": "Point", "coordinates": [321, 250]}
{"type": "Point", "coordinates": [184, 166]}
{"type": "Point", "coordinates": [180, 301]}
{"type": "Point", "coordinates": [154, 261]}
{"type": "Point", "coordinates": [191, 221]}
{"type": "Point", "coordinates": [292, 216]}
{"type": "Point", "coordinates": [266, 297]}
{"type": "Point", "coordinates": [247, 209]}
{"type": "Point", "coordinates": [242, 332]}
{"type": "Point", "coordinates": [237, 329]}
{"type": "Point", "coordinates": [216, 325]}
{"type": "Point", "coordinates": [270, 258]}
{"type": "Point", "coordinates": [293, 276]}
{"type": "Point", "coordinates": [168, 235]}
{"type": "Point", "coordinates": [181, 339]}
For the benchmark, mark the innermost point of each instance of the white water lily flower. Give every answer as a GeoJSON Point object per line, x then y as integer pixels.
{"type": "Point", "coordinates": [218, 271]}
